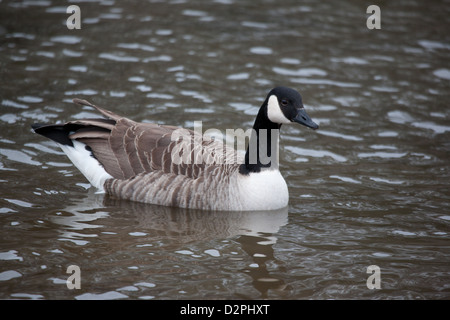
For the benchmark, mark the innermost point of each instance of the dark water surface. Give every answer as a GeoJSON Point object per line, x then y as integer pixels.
{"type": "Point", "coordinates": [371, 187]}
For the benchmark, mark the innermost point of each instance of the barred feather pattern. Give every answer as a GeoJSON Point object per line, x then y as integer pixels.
{"type": "Point", "coordinates": [210, 190]}
{"type": "Point", "coordinates": [140, 157]}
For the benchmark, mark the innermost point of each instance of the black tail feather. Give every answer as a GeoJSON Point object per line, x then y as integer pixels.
{"type": "Point", "coordinates": [55, 132]}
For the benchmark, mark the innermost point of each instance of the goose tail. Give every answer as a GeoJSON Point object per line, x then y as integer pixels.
{"type": "Point", "coordinates": [79, 153]}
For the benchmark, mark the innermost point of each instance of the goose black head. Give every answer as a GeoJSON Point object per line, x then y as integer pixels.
{"type": "Point", "coordinates": [284, 105]}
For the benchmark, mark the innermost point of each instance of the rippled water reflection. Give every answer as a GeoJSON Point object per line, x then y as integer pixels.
{"type": "Point", "coordinates": [371, 187]}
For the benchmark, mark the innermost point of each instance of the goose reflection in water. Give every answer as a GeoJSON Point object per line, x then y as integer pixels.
{"type": "Point", "coordinates": [160, 231]}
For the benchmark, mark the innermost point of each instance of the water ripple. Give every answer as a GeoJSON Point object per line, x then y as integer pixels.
{"type": "Point", "coordinates": [110, 295]}
{"type": "Point", "coordinates": [66, 39]}
{"type": "Point", "coordinates": [302, 72]}
{"type": "Point", "coordinates": [316, 153]}
{"type": "Point", "coordinates": [326, 82]}
{"type": "Point", "coordinates": [9, 274]}
{"type": "Point", "coordinates": [10, 103]}
{"type": "Point", "coordinates": [340, 135]}
{"type": "Point", "coordinates": [30, 99]}
{"type": "Point", "coordinates": [261, 50]}
{"type": "Point", "coordinates": [10, 255]}
{"type": "Point", "coordinates": [18, 156]}
{"type": "Point", "coordinates": [119, 57]}
{"type": "Point", "coordinates": [381, 154]}
{"type": "Point", "coordinates": [135, 46]}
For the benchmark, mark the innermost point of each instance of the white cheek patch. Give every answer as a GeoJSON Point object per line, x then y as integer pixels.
{"type": "Point", "coordinates": [274, 112]}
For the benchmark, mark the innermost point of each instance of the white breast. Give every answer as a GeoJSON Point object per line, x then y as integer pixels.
{"type": "Point", "coordinates": [265, 190]}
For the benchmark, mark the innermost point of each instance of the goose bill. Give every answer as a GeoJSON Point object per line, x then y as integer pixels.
{"type": "Point", "coordinates": [304, 119]}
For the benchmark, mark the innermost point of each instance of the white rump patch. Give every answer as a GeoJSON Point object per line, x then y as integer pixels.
{"type": "Point", "coordinates": [274, 112]}
{"type": "Point", "coordinates": [86, 163]}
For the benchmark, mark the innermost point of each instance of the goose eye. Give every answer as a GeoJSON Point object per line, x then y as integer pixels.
{"type": "Point", "coordinates": [284, 102]}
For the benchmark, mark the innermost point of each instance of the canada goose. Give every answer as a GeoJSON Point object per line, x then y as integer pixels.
{"type": "Point", "coordinates": [170, 166]}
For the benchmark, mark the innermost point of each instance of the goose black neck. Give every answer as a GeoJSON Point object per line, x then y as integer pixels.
{"type": "Point", "coordinates": [262, 150]}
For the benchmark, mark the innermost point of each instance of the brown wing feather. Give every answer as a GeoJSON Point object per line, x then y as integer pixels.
{"type": "Point", "coordinates": [106, 113]}
{"type": "Point", "coordinates": [126, 148]}
{"type": "Point", "coordinates": [118, 146]}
